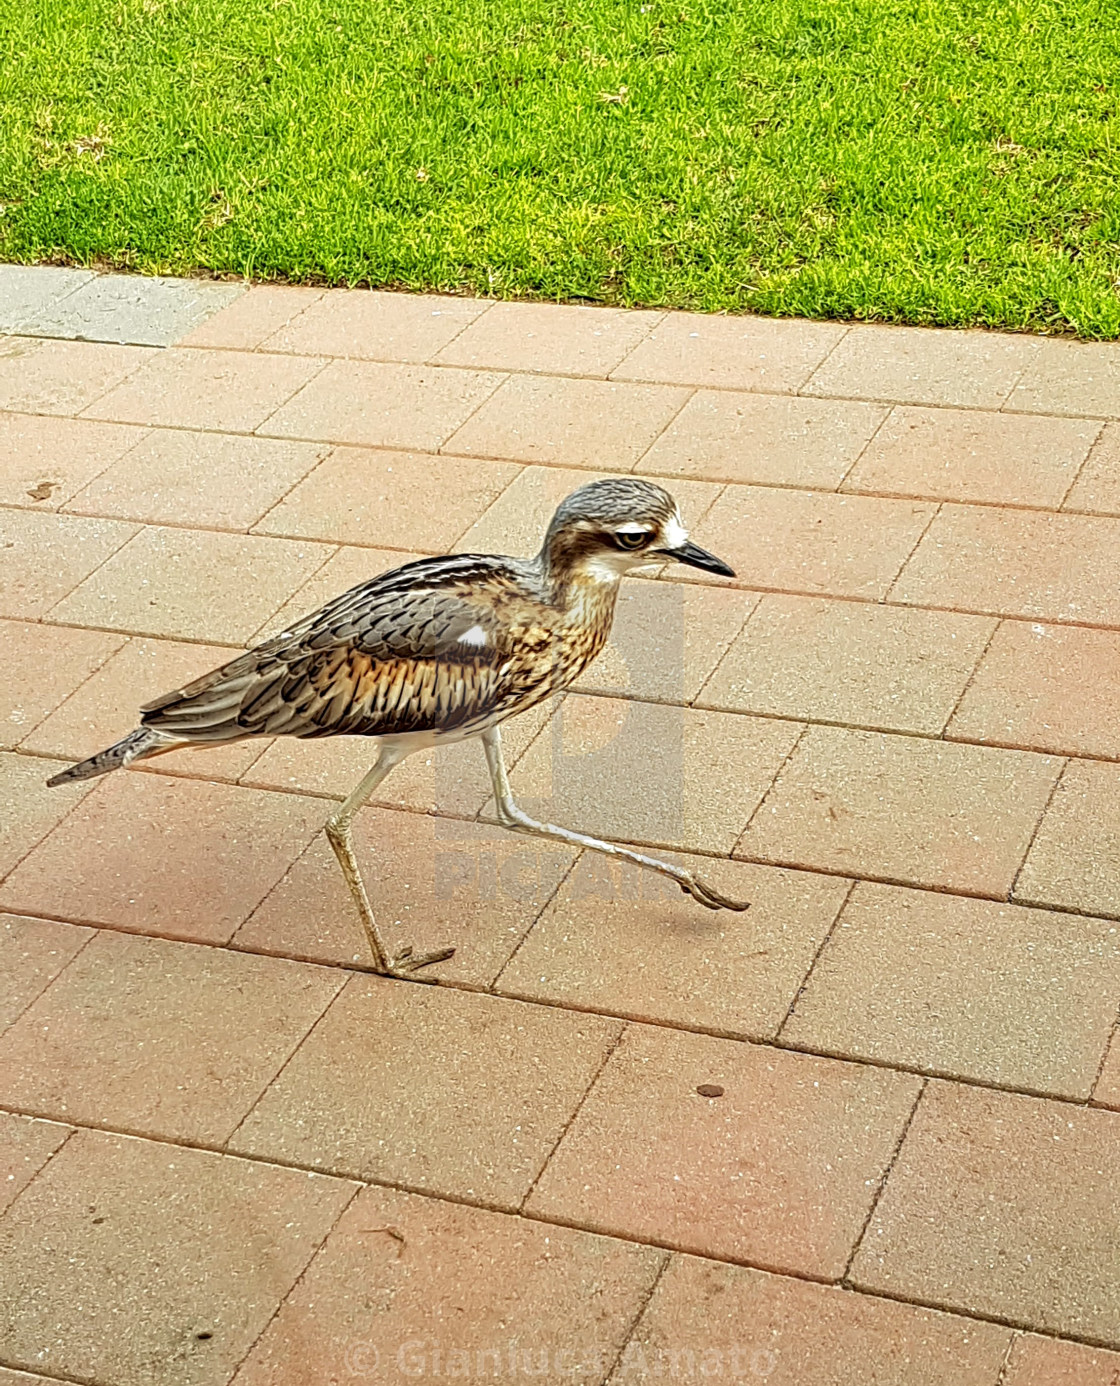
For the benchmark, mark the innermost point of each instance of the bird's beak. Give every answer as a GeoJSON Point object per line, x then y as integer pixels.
{"type": "Point", "coordinates": [696, 557]}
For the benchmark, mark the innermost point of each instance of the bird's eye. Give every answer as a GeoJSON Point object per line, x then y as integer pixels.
{"type": "Point", "coordinates": [631, 539]}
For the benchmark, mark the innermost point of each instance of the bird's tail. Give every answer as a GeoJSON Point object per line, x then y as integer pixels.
{"type": "Point", "coordinates": [144, 741]}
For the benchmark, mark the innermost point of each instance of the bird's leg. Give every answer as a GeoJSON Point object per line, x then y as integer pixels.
{"type": "Point", "coordinates": [510, 816]}
{"type": "Point", "coordinates": [338, 834]}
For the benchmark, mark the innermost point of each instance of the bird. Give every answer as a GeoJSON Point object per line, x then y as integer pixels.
{"type": "Point", "coordinates": [435, 651]}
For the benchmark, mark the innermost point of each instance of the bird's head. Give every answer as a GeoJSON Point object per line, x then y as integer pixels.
{"type": "Point", "coordinates": [605, 529]}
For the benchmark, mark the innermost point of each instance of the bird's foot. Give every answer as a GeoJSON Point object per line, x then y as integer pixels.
{"type": "Point", "coordinates": [407, 963]}
{"type": "Point", "coordinates": [709, 898]}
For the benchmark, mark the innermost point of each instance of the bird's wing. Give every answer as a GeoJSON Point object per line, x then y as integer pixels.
{"type": "Point", "coordinates": [421, 648]}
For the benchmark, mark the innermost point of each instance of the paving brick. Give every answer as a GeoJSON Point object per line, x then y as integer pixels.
{"type": "Point", "coordinates": [376, 326]}
{"type": "Point", "coordinates": [517, 520]}
{"type": "Point", "coordinates": [25, 1147]}
{"type": "Point", "coordinates": [1048, 688]}
{"type": "Point", "coordinates": [32, 809]}
{"type": "Point", "coordinates": [249, 320]}
{"type": "Point", "coordinates": [971, 455]}
{"type": "Point", "coordinates": [359, 496]}
{"type": "Point", "coordinates": [772, 439]}
{"type": "Point", "coordinates": [384, 405]}
{"type": "Point", "coordinates": [32, 954]}
{"type": "Point", "coordinates": [1097, 488]}
{"type": "Point", "coordinates": [155, 854]}
{"type": "Point", "coordinates": [145, 310]}
{"type": "Point", "coordinates": [192, 585]}
{"type": "Point", "coordinates": [1017, 563]}
{"type": "Point", "coordinates": [811, 541]}
{"type": "Point", "coordinates": [1106, 1093]}
{"type": "Point", "coordinates": [44, 460]}
{"type": "Point", "coordinates": [903, 809]}
{"type": "Point", "coordinates": [119, 1234]}
{"type": "Point", "coordinates": [426, 1064]}
{"type": "Point", "coordinates": [779, 1171]}
{"type": "Point", "coordinates": [43, 666]}
{"type": "Point", "coordinates": [107, 707]}
{"type": "Point", "coordinates": [965, 988]}
{"type": "Point", "coordinates": [163, 1039]}
{"type": "Point", "coordinates": [44, 556]}
{"type": "Point", "coordinates": [9, 1378]}
{"type": "Point", "coordinates": [432, 882]}
{"type": "Point", "coordinates": [1070, 378]}
{"type": "Point", "coordinates": [746, 1324]}
{"type": "Point", "coordinates": [850, 662]}
{"type": "Point", "coordinates": [210, 480]}
{"type": "Point", "coordinates": [1074, 861]}
{"type": "Point", "coordinates": [26, 289]}
{"type": "Point", "coordinates": [569, 423]}
{"type": "Point", "coordinates": [666, 639]}
{"type": "Point", "coordinates": [592, 770]}
{"type": "Point", "coordinates": [1036, 1361]}
{"type": "Point", "coordinates": [230, 391]}
{"type": "Point", "coordinates": [346, 568]}
{"type": "Point", "coordinates": [1003, 1206]}
{"type": "Point", "coordinates": [551, 338]}
{"type": "Point", "coordinates": [623, 940]}
{"type": "Point", "coordinates": [918, 365]}
{"type": "Point", "coordinates": [733, 353]}
{"type": "Point", "coordinates": [46, 377]}
{"type": "Point", "coordinates": [457, 1287]}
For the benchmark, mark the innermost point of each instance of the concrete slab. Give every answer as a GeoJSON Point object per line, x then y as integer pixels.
{"type": "Point", "coordinates": [128, 308]}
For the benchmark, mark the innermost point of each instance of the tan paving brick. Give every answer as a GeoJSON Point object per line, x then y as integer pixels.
{"type": "Point", "coordinates": [106, 1210]}
{"type": "Point", "coordinates": [552, 338]}
{"type": "Point", "coordinates": [31, 809]}
{"type": "Point", "coordinates": [212, 480]}
{"type": "Point", "coordinates": [191, 584]}
{"type": "Point", "coordinates": [1036, 1361]}
{"type": "Point", "coordinates": [375, 326]}
{"type": "Point", "coordinates": [1017, 563]}
{"type": "Point", "coordinates": [735, 353]}
{"type": "Point", "coordinates": [44, 460]}
{"type": "Point", "coordinates": [43, 665]}
{"type": "Point", "coordinates": [359, 496]}
{"type": "Point", "coordinates": [1070, 378]}
{"type": "Point", "coordinates": [51, 377]}
{"type": "Point", "coordinates": [972, 455]}
{"type": "Point", "coordinates": [779, 1171]}
{"type": "Point", "coordinates": [10, 1378]}
{"type": "Point", "coordinates": [32, 954]}
{"type": "Point", "coordinates": [965, 988]}
{"type": "Point", "coordinates": [382, 405]}
{"type": "Point", "coordinates": [44, 556]}
{"type": "Point", "coordinates": [457, 1288]}
{"type": "Point", "coordinates": [1003, 1206]}
{"type": "Point", "coordinates": [423, 1066]}
{"type": "Point", "coordinates": [163, 1039]}
{"type": "Point", "coordinates": [1097, 488]}
{"type": "Point", "coordinates": [772, 439]}
{"type": "Point", "coordinates": [1106, 1093]}
{"type": "Point", "coordinates": [727, 1321]}
{"type": "Point", "coordinates": [810, 541]}
{"type": "Point", "coordinates": [155, 854]}
{"type": "Point", "coordinates": [903, 809]}
{"type": "Point", "coordinates": [25, 1147]}
{"type": "Point", "coordinates": [232, 391]}
{"type": "Point", "coordinates": [107, 707]}
{"type": "Point", "coordinates": [1048, 688]}
{"type": "Point", "coordinates": [592, 770]}
{"type": "Point", "coordinates": [432, 882]}
{"type": "Point", "coordinates": [569, 423]}
{"type": "Point", "coordinates": [623, 940]}
{"type": "Point", "coordinates": [1074, 861]}
{"type": "Point", "coordinates": [850, 662]}
{"type": "Point", "coordinates": [920, 365]}
{"type": "Point", "coordinates": [253, 317]}
{"type": "Point", "coordinates": [666, 640]}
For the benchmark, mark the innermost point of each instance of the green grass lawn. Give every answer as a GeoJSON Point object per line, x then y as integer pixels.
{"type": "Point", "coordinates": [940, 161]}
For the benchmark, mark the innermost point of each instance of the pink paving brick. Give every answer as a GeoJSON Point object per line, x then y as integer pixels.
{"type": "Point", "coordinates": [31, 809]}
{"type": "Point", "coordinates": [458, 1289]}
{"type": "Point", "coordinates": [45, 556]}
{"type": "Point", "coordinates": [32, 954]}
{"type": "Point", "coordinates": [779, 1171]}
{"type": "Point", "coordinates": [1037, 1361]}
{"type": "Point", "coordinates": [1097, 489]}
{"type": "Point", "coordinates": [43, 667]}
{"type": "Point", "coordinates": [550, 338]}
{"type": "Point", "coordinates": [44, 460]}
{"type": "Point", "coordinates": [38, 376]}
{"type": "Point", "coordinates": [374, 326]}
{"type": "Point", "coordinates": [246, 322]}
{"type": "Point", "coordinates": [1106, 1092]}
{"type": "Point", "coordinates": [25, 1147]}
{"type": "Point", "coordinates": [1070, 378]}
{"type": "Point", "coordinates": [1074, 860]}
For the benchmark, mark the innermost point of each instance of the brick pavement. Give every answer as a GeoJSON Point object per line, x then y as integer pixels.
{"type": "Point", "coordinates": [866, 1133]}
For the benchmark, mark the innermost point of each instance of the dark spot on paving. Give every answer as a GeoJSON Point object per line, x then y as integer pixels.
{"type": "Point", "coordinates": [710, 1090]}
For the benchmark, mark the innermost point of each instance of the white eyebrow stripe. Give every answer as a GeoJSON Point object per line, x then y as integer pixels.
{"type": "Point", "coordinates": [633, 527]}
{"type": "Point", "coordinates": [675, 533]}
{"type": "Point", "coordinates": [475, 636]}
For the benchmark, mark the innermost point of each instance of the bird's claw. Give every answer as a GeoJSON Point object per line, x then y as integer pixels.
{"type": "Point", "coordinates": [407, 963]}
{"type": "Point", "coordinates": [709, 898]}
